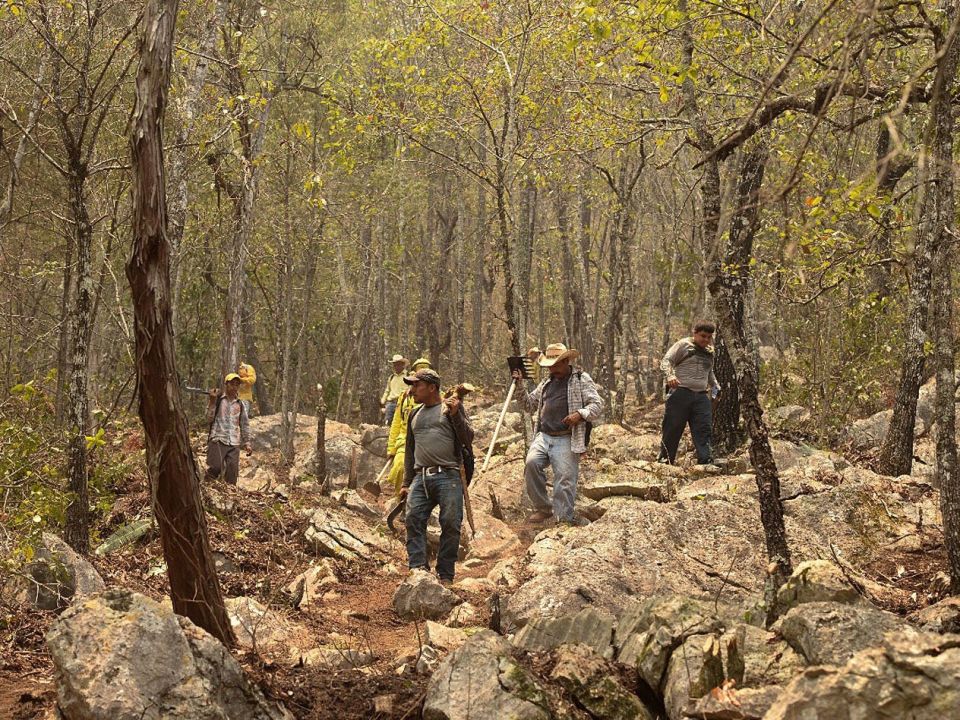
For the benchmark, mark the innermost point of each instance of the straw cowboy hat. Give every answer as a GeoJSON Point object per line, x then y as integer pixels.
{"type": "Point", "coordinates": [556, 352]}
{"type": "Point", "coordinates": [398, 358]}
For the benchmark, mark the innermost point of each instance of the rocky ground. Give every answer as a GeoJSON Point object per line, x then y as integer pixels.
{"type": "Point", "coordinates": [654, 608]}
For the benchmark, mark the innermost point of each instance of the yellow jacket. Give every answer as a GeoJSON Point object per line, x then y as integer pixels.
{"type": "Point", "coordinates": [398, 428]}
{"type": "Point", "coordinates": [249, 376]}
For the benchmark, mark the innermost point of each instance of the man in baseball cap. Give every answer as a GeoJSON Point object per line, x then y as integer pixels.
{"type": "Point", "coordinates": [229, 430]}
{"type": "Point", "coordinates": [436, 434]}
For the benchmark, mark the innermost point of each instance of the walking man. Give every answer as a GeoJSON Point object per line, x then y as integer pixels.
{"type": "Point", "coordinates": [397, 437]}
{"type": "Point", "coordinates": [229, 430]}
{"type": "Point", "coordinates": [567, 404]}
{"type": "Point", "coordinates": [394, 389]}
{"type": "Point", "coordinates": [437, 432]}
{"type": "Point", "coordinates": [688, 369]}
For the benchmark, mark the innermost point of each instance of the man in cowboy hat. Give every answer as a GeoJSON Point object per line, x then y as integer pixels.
{"type": "Point", "coordinates": [566, 403]}
{"type": "Point", "coordinates": [688, 368]}
{"type": "Point", "coordinates": [394, 389]}
{"type": "Point", "coordinates": [229, 429]}
{"type": "Point", "coordinates": [437, 432]}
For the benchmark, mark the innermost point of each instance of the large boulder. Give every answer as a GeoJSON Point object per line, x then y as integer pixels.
{"type": "Point", "coordinates": [816, 581]}
{"type": "Point", "coordinates": [648, 632]}
{"type": "Point", "coordinates": [480, 681]}
{"type": "Point", "coordinates": [590, 627]}
{"type": "Point", "coordinates": [709, 547]}
{"type": "Point", "coordinates": [340, 534]}
{"type": "Point", "coordinates": [916, 677]}
{"type": "Point", "coordinates": [121, 656]}
{"type": "Point", "coordinates": [829, 633]}
{"type": "Point", "coordinates": [942, 617]}
{"type": "Point", "coordinates": [56, 575]}
{"type": "Point", "coordinates": [421, 597]}
{"type": "Point", "coordinates": [594, 685]}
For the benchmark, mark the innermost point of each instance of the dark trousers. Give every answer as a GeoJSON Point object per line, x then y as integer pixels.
{"type": "Point", "coordinates": [686, 406]}
{"type": "Point", "coordinates": [223, 459]}
{"type": "Point", "coordinates": [426, 492]}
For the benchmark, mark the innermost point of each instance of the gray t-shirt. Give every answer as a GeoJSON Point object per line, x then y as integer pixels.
{"type": "Point", "coordinates": [555, 406]}
{"type": "Point", "coordinates": [434, 439]}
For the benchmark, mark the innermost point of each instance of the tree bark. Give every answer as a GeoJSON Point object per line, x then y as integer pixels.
{"type": "Point", "coordinates": [941, 225]}
{"type": "Point", "coordinates": [729, 286]}
{"type": "Point", "coordinates": [194, 588]}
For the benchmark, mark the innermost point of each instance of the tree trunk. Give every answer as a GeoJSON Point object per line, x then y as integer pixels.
{"type": "Point", "coordinates": [77, 531]}
{"type": "Point", "coordinates": [729, 284]}
{"type": "Point", "coordinates": [939, 142]}
{"type": "Point", "coordinates": [194, 588]}
{"type": "Point", "coordinates": [727, 435]}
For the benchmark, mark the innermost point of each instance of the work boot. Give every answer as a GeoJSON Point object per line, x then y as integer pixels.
{"type": "Point", "coordinates": [540, 516]}
{"type": "Point", "coordinates": [446, 582]}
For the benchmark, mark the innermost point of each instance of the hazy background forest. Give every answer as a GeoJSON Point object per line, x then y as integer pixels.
{"type": "Point", "coordinates": [464, 180]}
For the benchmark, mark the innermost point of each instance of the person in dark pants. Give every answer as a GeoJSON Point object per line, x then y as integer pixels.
{"type": "Point", "coordinates": [229, 431]}
{"type": "Point", "coordinates": [437, 432]}
{"type": "Point", "coordinates": [691, 385]}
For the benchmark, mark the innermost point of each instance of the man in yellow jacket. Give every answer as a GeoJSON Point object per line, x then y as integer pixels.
{"type": "Point", "coordinates": [397, 438]}
{"type": "Point", "coordinates": [248, 376]}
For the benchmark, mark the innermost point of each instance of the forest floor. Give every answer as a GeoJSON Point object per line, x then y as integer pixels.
{"type": "Point", "coordinates": [262, 536]}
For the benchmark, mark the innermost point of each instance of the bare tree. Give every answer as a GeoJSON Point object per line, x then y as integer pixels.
{"type": "Point", "coordinates": [194, 588]}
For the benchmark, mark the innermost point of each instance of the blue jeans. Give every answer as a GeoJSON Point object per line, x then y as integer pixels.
{"type": "Point", "coordinates": [388, 410]}
{"type": "Point", "coordinates": [554, 451]}
{"type": "Point", "coordinates": [426, 492]}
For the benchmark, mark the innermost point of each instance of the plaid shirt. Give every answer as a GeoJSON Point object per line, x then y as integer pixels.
{"type": "Point", "coordinates": [230, 425]}
{"type": "Point", "coordinates": [582, 397]}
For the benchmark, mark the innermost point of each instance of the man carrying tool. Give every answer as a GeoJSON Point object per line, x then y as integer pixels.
{"type": "Point", "coordinates": [394, 389]}
{"type": "Point", "coordinates": [688, 369]}
{"type": "Point", "coordinates": [566, 403]}
{"type": "Point", "coordinates": [229, 430]}
{"type": "Point", "coordinates": [432, 457]}
{"type": "Point", "coordinates": [397, 438]}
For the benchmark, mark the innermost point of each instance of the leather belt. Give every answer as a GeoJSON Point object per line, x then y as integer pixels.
{"type": "Point", "coordinates": [435, 469]}
{"type": "Point", "coordinates": [558, 434]}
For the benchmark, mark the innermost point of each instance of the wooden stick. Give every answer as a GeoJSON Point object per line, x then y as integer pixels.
{"type": "Point", "coordinates": [389, 463]}
{"type": "Point", "coordinates": [496, 431]}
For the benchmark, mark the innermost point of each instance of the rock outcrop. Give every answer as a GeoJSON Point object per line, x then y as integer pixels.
{"type": "Point", "coordinates": [120, 656]}
{"type": "Point", "coordinates": [421, 597]}
{"type": "Point", "coordinates": [57, 575]}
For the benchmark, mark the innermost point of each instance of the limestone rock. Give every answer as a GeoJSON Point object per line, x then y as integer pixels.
{"type": "Point", "coordinates": [421, 597]}
{"type": "Point", "coordinates": [309, 587]}
{"type": "Point", "coordinates": [648, 632]}
{"type": "Point", "coordinates": [659, 490]}
{"type": "Point", "coordinates": [788, 417]}
{"type": "Point", "coordinates": [816, 581]}
{"type": "Point", "coordinates": [736, 704]}
{"type": "Point", "coordinates": [494, 538]}
{"type": "Point", "coordinates": [829, 633]}
{"type": "Point", "coordinates": [121, 656]}
{"type": "Point", "coordinates": [943, 617]}
{"type": "Point", "coordinates": [442, 637]}
{"type": "Point", "coordinates": [464, 615]}
{"type": "Point", "coordinates": [593, 683]}
{"type": "Point", "coordinates": [259, 628]}
{"type": "Point", "coordinates": [590, 627]}
{"type": "Point", "coordinates": [335, 658]}
{"type": "Point", "coordinates": [695, 668]}
{"type": "Point", "coordinates": [340, 535]}
{"type": "Point", "coordinates": [56, 575]}
{"type": "Point", "coordinates": [906, 676]}
{"type": "Point", "coordinates": [352, 500]}
{"type": "Point", "coordinates": [480, 681]}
